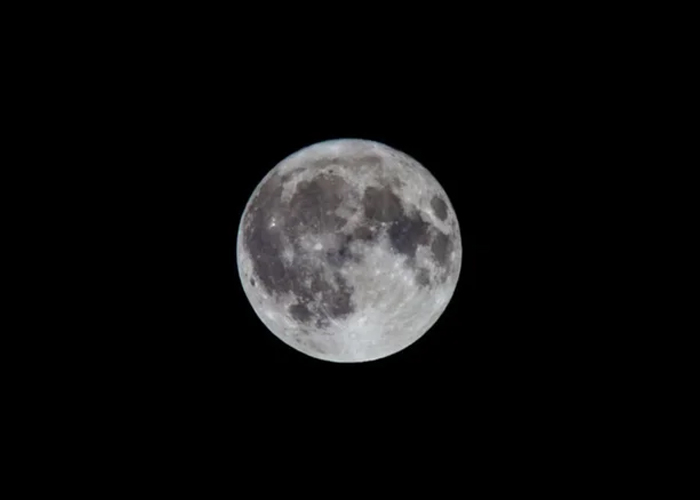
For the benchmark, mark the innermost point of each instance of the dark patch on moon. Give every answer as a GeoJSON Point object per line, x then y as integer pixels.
{"type": "Point", "coordinates": [381, 204]}
{"type": "Point", "coordinates": [341, 254]}
{"type": "Point", "coordinates": [268, 266]}
{"type": "Point", "coordinates": [309, 211]}
{"type": "Point", "coordinates": [407, 232]}
{"type": "Point", "coordinates": [441, 248]}
{"type": "Point", "coordinates": [252, 281]}
{"type": "Point", "coordinates": [422, 277]}
{"type": "Point", "coordinates": [300, 312]}
{"type": "Point", "coordinates": [338, 301]}
{"type": "Point", "coordinates": [439, 207]}
{"type": "Point", "coordinates": [313, 205]}
{"type": "Point", "coordinates": [365, 233]}
{"type": "Point", "coordinates": [264, 243]}
{"type": "Point", "coordinates": [336, 258]}
{"type": "Point", "coordinates": [316, 286]}
{"type": "Point", "coordinates": [304, 283]}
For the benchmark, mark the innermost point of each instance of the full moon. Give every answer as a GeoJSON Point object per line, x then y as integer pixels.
{"type": "Point", "coordinates": [349, 250]}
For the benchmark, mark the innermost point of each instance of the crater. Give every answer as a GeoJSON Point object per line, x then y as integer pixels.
{"type": "Point", "coordinates": [439, 207]}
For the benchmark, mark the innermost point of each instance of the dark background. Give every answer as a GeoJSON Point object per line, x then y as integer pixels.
{"type": "Point", "coordinates": [495, 130]}
{"type": "Point", "coordinates": [185, 118]}
{"type": "Point", "coordinates": [159, 123]}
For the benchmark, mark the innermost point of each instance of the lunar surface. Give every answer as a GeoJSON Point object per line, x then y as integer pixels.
{"type": "Point", "coordinates": [349, 250]}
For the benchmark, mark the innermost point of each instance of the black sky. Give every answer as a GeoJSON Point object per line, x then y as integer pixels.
{"type": "Point", "coordinates": [502, 122]}
{"type": "Point", "coordinates": [495, 141]}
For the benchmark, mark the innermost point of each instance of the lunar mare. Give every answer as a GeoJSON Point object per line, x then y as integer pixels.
{"type": "Point", "coordinates": [349, 250]}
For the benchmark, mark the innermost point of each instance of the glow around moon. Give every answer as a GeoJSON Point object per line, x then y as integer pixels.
{"type": "Point", "coordinates": [349, 250]}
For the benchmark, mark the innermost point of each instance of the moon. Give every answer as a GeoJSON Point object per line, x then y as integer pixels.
{"type": "Point", "coordinates": [349, 250]}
